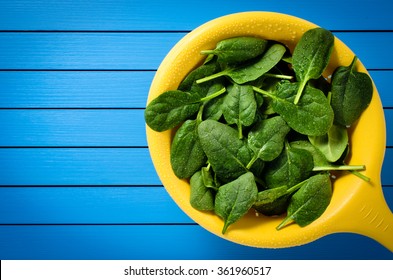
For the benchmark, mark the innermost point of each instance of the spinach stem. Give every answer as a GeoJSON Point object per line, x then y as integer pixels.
{"type": "Point", "coordinates": [207, 52]}
{"type": "Point", "coordinates": [200, 113]}
{"type": "Point", "coordinates": [211, 77]}
{"type": "Point", "coordinates": [360, 175]}
{"type": "Point", "coordinates": [264, 92]}
{"type": "Point", "coordinates": [254, 159]}
{"type": "Point", "coordinates": [351, 168]}
{"type": "Point", "coordinates": [278, 76]}
{"type": "Point", "coordinates": [213, 95]}
{"type": "Point", "coordinates": [339, 167]}
{"type": "Point", "coordinates": [300, 91]}
{"type": "Point", "coordinates": [284, 222]}
{"type": "Point", "coordinates": [353, 63]}
{"type": "Point", "coordinates": [295, 187]}
{"type": "Point", "coordinates": [240, 130]}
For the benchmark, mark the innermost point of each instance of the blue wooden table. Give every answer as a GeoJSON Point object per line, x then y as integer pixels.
{"type": "Point", "coordinates": [76, 178]}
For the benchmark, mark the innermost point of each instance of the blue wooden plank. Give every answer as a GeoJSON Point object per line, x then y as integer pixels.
{"type": "Point", "coordinates": [82, 127]}
{"type": "Point", "coordinates": [76, 166]}
{"type": "Point", "coordinates": [96, 205]}
{"type": "Point", "coordinates": [85, 50]}
{"type": "Point", "coordinates": [365, 47]}
{"type": "Point", "coordinates": [161, 242]}
{"type": "Point", "coordinates": [175, 15]}
{"type": "Point", "coordinates": [75, 89]}
{"type": "Point", "coordinates": [382, 80]}
{"type": "Point", "coordinates": [94, 166]}
{"type": "Point", "coordinates": [102, 89]}
{"type": "Point", "coordinates": [89, 205]}
{"type": "Point", "coordinates": [138, 51]}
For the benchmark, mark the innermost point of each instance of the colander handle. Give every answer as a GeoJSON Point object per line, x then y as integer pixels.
{"type": "Point", "coordinates": [369, 216]}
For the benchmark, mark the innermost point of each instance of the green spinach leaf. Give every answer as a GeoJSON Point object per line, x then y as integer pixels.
{"type": "Point", "coordinates": [312, 116]}
{"type": "Point", "coordinates": [170, 109]}
{"type": "Point", "coordinates": [351, 93]}
{"type": "Point", "coordinates": [240, 106]}
{"type": "Point", "coordinates": [266, 138]}
{"type": "Point", "coordinates": [333, 144]}
{"type": "Point", "coordinates": [234, 199]}
{"type": "Point", "coordinates": [187, 155]}
{"type": "Point", "coordinates": [319, 158]}
{"type": "Point", "coordinates": [311, 56]}
{"type": "Point", "coordinates": [227, 154]}
{"type": "Point", "coordinates": [250, 72]}
{"type": "Point", "coordinates": [238, 49]}
{"type": "Point", "coordinates": [290, 168]}
{"type": "Point", "coordinates": [272, 201]}
{"type": "Point", "coordinates": [201, 197]}
{"type": "Point", "coordinates": [310, 201]}
{"type": "Point", "coordinates": [208, 178]}
{"type": "Point", "coordinates": [213, 107]}
{"type": "Point", "coordinates": [189, 83]}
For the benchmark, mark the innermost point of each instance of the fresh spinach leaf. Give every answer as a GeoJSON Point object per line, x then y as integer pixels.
{"type": "Point", "coordinates": [312, 116]}
{"type": "Point", "coordinates": [272, 201]}
{"type": "Point", "coordinates": [311, 56]}
{"type": "Point", "coordinates": [227, 154]}
{"type": "Point", "coordinates": [250, 72]}
{"type": "Point", "coordinates": [234, 199]}
{"type": "Point", "coordinates": [351, 93]}
{"type": "Point", "coordinates": [170, 109]}
{"type": "Point", "coordinates": [239, 106]}
{"type": "Point", "coordinates": [290, 168]}
{"type": "Point", "coordinates": [310, 201]}
{"type": "Point", "coordinates": [238, 49]}
{"type": "Point", "coordinates": [187, 155]}
{"type": "Point", "coordinates": [208, 178]}
{"type": "Point", "coordinates": [266, 139]}
{"type": "Point", "coordinates": [319, 158]}
{"type": "Point", "coordinates": [201, 197]}
{"type": "Point", "coordinates": [333, 144]}
{"type": "Point", "coordinates": [213, 107]}
{"type": "Point", "coordinates": [189, 83]}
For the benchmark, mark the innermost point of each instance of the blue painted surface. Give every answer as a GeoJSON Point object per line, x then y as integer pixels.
{"type": "Point", "coordinates": [96, 89]}
{"type": "Point", "coordinates": [177, 15]}
{"type": "Point", "coordinates": [76, 178]}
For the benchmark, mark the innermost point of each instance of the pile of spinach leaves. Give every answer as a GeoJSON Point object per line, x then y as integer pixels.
{"type": "Point", "coordinates": [259, 127]}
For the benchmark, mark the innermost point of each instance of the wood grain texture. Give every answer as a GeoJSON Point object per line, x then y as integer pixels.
{"type": "Point", "coordinates": [81, 51]}
{"type": "Point", "coordinates": [90, 205]}
{"type": "Point", "coordinates": [177, 15]}
{"type": "Point", "coordinates": [76, 127]}
{"type": "Point", "coordinates": [75, 89]}
{"type": "Point", "coordinates": [77, 166]}
{"type": "Point", "coordinates": [157, 242]}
